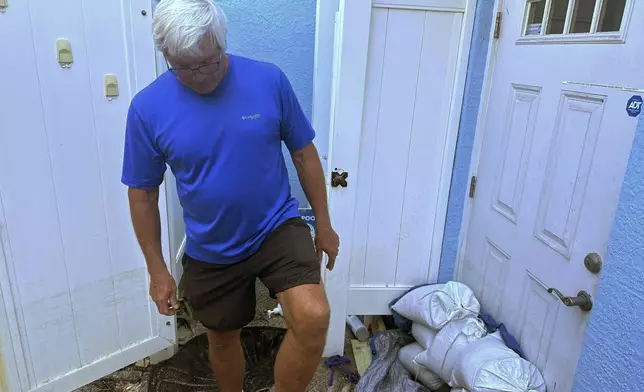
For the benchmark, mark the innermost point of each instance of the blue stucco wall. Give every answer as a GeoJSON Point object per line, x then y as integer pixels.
{"type": "Point", "coordinates": [613, 355]}
{"type": "Point", "coordinates": [465, 143]}
{"type": "Point", "coordinates": [281, 32]}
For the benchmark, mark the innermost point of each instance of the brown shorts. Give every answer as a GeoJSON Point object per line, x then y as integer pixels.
{"type": "Point", "coordinates": [222, 297]}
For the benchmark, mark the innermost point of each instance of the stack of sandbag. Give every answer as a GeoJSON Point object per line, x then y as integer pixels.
{"type": "Point", "coordinates": [419, 373]}
{"type": "Point", "coordinates": [452, 347]}
{"type": "Point", "coordinates": [489, 365]}
{"type": "Point", "coordinates": [444, 318]}
{"type": "Point", "coordinates": [436, 305]}
{"type": "Point", "coordinates": [442, 356]}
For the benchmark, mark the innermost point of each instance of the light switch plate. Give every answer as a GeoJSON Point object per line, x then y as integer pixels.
{"type": "Point", "coordinates": [64, 54]}
{"type": "Point", "coordinates": [111, 86]}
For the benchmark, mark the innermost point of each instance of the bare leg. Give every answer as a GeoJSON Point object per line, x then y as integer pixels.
{"type": "Point", "coordinates": [227, 360]}
{"type": "Point", "coordinates": [307, 312]}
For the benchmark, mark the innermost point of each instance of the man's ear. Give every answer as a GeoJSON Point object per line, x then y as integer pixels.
{"type": "Point", "coordinates": [166, 58]}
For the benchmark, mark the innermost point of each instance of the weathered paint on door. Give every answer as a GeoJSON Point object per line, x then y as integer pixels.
{"type": "Point", "coordinates": [396, 108]}
{"type": "Point", "coordinates": [4, 376]}
{"type": "Point", "coordinates": [556, 142]}
{"type": "Point", "coordinates": [72, 276]}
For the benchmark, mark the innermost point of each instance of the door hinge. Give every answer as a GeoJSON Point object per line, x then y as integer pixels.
{"type": "Point", "coordinates": [497, 26]}
{"type": "Point", "coordinates": [472, 186]}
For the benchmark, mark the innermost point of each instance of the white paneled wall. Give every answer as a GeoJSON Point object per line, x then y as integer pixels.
{"type": "Point", "coordinates": [410, 79]}
{"type": "Point", "coordinates": [398, 88]}
{"type": "Point", "coordinates": [72, 277]}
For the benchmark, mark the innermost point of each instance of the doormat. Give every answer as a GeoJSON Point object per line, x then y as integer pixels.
{"type": "Point", "coordinates": [189, 370]}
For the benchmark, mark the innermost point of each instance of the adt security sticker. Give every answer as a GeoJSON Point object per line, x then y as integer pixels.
{"type": "Point", "coordinates": [634, 106]}
{"type": "Point", "coordinates": [309, 218]}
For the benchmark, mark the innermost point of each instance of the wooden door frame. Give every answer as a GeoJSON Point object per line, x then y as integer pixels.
{"type": "Point", "coordinates": [348, 92]}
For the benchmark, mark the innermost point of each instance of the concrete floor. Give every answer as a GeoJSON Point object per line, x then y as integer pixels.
{"type": "Point", "coordinates": [135, 377]}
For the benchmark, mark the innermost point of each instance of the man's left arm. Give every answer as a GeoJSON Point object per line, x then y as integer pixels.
{"type": "Point", "coordinates": [297, 134]}
{"type": "Point", "coordinates": [309, 170]}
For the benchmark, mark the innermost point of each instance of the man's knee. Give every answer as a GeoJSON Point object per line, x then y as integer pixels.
{"type": "Point", "coordinates": [223, 340]}
{"type": "Point", "coordinates": [313, 322]}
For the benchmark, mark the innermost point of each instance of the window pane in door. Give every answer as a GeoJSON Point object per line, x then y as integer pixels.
{"type": "Point", "coordinates": [611, 16]}
{"type": "Point", "coordinates": [582, 17]}
{"type": "Point", "coordinates": [535, 17]}
{"type": "Point", "coordinates": [557, 20]}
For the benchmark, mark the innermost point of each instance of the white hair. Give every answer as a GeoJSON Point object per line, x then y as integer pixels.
{"type": "Point", "coordinates": [179, 26]}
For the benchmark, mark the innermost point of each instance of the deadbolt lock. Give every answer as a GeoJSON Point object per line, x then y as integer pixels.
{"type": "Point", "coordinates": [593, 263]}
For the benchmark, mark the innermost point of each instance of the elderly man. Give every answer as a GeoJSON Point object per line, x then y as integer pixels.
{"type": "Point", "coordinates": [218, 121]}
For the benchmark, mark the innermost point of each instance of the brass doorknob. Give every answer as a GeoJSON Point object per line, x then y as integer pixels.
{"type": "Point", "coordinates": [583, 299]}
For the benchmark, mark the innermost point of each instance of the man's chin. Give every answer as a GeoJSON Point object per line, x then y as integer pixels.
{"type": "Point", "coordinates": [203, 90]}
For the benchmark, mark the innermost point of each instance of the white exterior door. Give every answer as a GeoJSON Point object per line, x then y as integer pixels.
{"type": "Point", "coordinates": [398, 88]}
{"type": "Point", "coordinates": [74, 300]}
{"type": "Point", "coordinates": [556, 141]}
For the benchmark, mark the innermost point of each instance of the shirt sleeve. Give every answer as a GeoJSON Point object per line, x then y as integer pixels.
{"type": "Point", "coordinates": [143, 163]}
{"type": "Point", "coordinates": [295, 128]}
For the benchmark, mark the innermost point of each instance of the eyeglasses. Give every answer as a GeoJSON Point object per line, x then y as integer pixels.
{"type": "Point", "coordinates": [205, 69]}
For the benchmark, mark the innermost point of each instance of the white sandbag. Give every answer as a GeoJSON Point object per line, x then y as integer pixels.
{"type": "Point", "coordinates": [420, 374]}
{"type": "Point", "coordinates": [436, 305]}
{"type": "Point", "coordinates": [450, 341]}
{"type": "Point", "coordinates": [423, 335]}
{"type": "Point", "coordinates": [488, 365]}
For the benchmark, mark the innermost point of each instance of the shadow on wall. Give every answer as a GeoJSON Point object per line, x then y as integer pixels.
{"type": "Point", "coordinates": [281, 32]}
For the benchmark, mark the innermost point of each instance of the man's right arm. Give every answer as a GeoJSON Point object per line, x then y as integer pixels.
{"type": "Point", "coordinates": [143, 169]}
{"type": "Point", "coordinates": [144, 209]}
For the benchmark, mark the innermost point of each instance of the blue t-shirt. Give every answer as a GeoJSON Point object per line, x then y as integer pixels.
{"type": "Point", "coordinates": [224, 148]}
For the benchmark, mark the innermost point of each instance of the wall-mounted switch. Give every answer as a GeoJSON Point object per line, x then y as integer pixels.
{"type": "Point", "coordinates": [111, 86]}
{"type": "Point", "coordinates": [64, 53]}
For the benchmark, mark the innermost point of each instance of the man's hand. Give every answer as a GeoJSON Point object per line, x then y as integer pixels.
{"type": "Point", "coordinates": [144, 208]}
{"type": "Point", "coordinates": [327, 241]}
{"type": "Point", "coordinates": [163, 290]}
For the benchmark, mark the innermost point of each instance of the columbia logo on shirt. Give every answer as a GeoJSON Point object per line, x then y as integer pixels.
{"type": "Point", "coordinates": [251, 117]}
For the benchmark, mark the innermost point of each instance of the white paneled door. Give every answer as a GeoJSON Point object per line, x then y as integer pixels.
{"type": "Point", "coordinates": [398, 83]}
{"type": "Point", "coordinates": [560, 122]}
{"type": "Point", "coordinates": [73, 285]}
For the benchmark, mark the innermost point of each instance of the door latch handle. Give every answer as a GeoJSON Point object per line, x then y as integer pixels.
{"type": "Point", "coordinates": [583, 300]}
{"type": "Point", "coordinates": [339, 178]}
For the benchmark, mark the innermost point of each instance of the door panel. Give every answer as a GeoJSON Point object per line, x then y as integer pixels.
{"type": "Point", "coordinates": [555, 147]}
{"type": "Point", "coordinates": [73, 279]}
{"type": "Point", "coordinates": [517, 142]}
{"type": "Point", "coordinates": [402, 61]}
{"type": "Point", "coordinates": [399, 80]}
{"type": "Point", "coordinates": [404, 126]}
